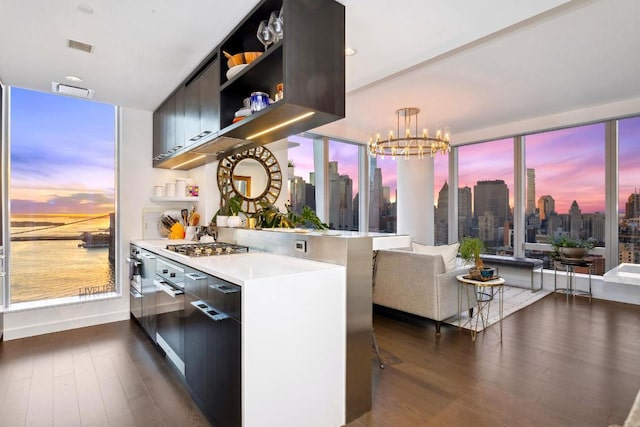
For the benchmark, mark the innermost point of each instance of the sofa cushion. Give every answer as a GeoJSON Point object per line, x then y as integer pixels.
{"type": "Point", "coordinates": [449, 253]}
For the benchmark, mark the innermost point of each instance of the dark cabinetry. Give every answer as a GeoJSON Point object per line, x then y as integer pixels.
{"type": "Point", "coordinates": [308, 61]}
{"type": "Point", "coordinates": [202, 106]}
{"type": "Point", "coordinates": [213, 348]}
{"type": "Point", "coordinates": [168, 128]}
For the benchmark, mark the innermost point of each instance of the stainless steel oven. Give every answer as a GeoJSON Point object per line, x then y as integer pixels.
{"type": "Point", "coordinates": [169, 283]}
{"type": "Point", "coordinates": [142, 271]}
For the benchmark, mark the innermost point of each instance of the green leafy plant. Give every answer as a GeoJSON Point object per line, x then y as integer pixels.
{"type": "Point", "coordinates": [470, 250]}
{"type": "Point", "coordinates": [229, 206]}
{"type": "Point", "coordinates": [564, 241]}
{"type": "Point", "coordinates": [269, 216]}
{"type": "Point", "coordinates": [291, 164]}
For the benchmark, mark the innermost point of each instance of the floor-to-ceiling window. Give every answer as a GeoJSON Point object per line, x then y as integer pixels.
{"type": "Point", "coordinates": [566, 186]}
{"type": "Point", "coordinates": [62, 192]}
{"type": "Point", "coordinates": [629, 190]}
{"type": "Point", "coordinates": [485, 193]}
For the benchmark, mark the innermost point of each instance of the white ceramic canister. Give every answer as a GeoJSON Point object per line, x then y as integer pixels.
{"type": "Point", "coordinates": [181, 187]}
{"type": "Point", "coordinates": [170, 189]}
{"type": "Point", "coordinates": [158, 191]}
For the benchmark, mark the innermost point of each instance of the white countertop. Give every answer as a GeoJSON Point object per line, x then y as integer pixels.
{"type": "Point", "coordinates": [238, 268]}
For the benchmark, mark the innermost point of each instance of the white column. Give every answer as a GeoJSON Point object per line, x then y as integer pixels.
{"type": "Point", "coordinates": [415, 199]}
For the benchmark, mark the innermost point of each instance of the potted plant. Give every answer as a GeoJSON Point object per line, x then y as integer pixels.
{"type": "Point", "coordinates": [572, 248]}
{"type": "Point", "coordinates": [470, 250]}
{"type": "Point", "coordinates": [269, 216]}
{"type": "Point", "coordinates": [229, 207]}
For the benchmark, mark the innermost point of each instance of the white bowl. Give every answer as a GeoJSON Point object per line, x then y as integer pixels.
{"type": "Point", "coordinates": [231, 73]}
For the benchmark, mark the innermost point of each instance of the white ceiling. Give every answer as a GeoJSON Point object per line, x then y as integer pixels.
{"type": "Point", "coordinates": [466, 64]}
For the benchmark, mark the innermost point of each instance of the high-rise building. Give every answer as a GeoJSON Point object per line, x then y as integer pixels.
{"type": "Point", "coordinates": [442, 216]}
{"type": "Point", "coordinates": [576, 226]}
{"type": "Point", "coordinates": [632, 207]}
{"type": "Point", "coordinates": [546, 206]}
{"type": "Point", "coordinates": [531, 191]}
{"type": "Point", "coordinates": [340, 199]}
{"type": "Point", "coordinates": [465, 214]}
{"type": "Point", "coordinates": [487, 227]}
{"type": "Point", "coordinates": [491, 196]}
{"type": "Point", "coordinates": [376, 198]}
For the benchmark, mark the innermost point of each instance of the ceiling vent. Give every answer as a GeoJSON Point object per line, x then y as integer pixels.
{"type": "Point", "coordinates": [75, 44]}
{"type": "Point", "coordinates": [79, 92]}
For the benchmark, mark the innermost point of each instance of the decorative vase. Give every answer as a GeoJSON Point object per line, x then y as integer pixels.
{"type": "Point", "coordinates": [487, 273]}
{"type": "Point", "coordinates": [234, 221]}
{"type": "Point", "coordinates": [221, 220]}
{"type": "Point", "coordinates": [573, 253]}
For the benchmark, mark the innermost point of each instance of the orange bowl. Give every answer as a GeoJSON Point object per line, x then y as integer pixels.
{"type": "Point", "coordinates": [243, 58]}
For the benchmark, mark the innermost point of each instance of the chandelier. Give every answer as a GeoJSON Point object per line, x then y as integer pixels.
{"type": "Point", "coordinates": [411, 144]}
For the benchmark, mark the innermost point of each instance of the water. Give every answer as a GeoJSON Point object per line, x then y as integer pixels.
{"type": "Point", "coordinates": [44, 269]}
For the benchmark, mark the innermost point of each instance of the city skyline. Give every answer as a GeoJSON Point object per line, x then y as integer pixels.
{"type": "Point", "coordinates": [569, 165]}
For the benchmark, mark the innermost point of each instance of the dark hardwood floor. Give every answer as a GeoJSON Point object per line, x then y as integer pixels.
{"type": "Point", "coordinates": [108, 375]}
{"type": "Point", "coordinates": [560, 364]}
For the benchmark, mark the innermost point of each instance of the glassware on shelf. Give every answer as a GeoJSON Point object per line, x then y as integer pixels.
{"type": "Point", "coordinates": [264, 34]}
{"type": "Point", "coordinates": [276, 26]}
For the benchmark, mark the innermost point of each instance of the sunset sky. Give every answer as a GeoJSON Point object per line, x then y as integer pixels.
{"type": "Point", "coordinates": [63, 159]}
{"type": "Point", "coordinates": [568, 163]}
{"type": "Point", "coordinates": [62, 154]}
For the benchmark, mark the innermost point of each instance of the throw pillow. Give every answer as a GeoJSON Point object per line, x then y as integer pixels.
{"type": "Point", "coordinates": [449, 253]}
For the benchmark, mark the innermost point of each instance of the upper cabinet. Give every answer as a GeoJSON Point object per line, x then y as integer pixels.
{"type": "Point", "coordinates": [308, 62]}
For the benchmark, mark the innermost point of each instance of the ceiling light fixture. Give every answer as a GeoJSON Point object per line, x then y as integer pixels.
{"type": "Point", "coordinates": [349, 51]}
{"type": "Point", "coordinates": [73, 78]}
{"type": "Point", "coordinates": [411, 144]}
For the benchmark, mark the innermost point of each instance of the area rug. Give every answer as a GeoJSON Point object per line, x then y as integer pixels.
{"type": "Point", "coordinates": [514, 299]}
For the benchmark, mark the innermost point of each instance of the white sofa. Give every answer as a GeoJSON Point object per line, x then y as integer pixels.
{"type": "Point", "coordinates": [418, 283]}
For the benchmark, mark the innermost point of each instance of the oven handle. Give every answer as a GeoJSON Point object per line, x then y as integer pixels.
{"type": "Point", "coordinates": [172, 292]}
{"type": "Point", "coordinates": [208, 311]}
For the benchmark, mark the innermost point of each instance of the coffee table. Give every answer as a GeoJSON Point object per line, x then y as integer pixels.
{"type": "Point", "coordinates": [485, 292]}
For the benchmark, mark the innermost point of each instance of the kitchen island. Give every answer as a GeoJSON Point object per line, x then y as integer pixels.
{"type": "Point", "coordinates": [293, 335]}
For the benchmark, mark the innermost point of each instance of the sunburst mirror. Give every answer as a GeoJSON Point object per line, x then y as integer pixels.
{"type": "Point", "coordinates": [254, 175]}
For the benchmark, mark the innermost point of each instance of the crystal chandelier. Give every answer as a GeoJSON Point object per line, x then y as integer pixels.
{"type": "Point", "coordinates": [410, 144]}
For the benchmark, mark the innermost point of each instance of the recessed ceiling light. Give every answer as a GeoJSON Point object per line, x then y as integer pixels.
{"type": "Point", "coordinates": [85, 8]}
{"type": "Point", "coordinates": [350, 51]}
{"type": "Point", "coordinates": [73, 78]}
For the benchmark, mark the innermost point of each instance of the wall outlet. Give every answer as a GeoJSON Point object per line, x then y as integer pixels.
{"type": "Point", "coordinates": [301, 246]}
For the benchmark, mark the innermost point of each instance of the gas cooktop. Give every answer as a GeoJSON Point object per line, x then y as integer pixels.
{"type": "Point", "coordinates": [207, 249]}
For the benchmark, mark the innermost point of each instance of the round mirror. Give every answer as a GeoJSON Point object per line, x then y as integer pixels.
{"type": "Point", "coordinates": [249, 178]}
{"type": "Point", "coordinates": [254, 175]}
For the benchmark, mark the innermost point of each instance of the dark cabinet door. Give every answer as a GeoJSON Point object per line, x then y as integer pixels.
{"type": "Point", "coordinates": [210, 98]}
{"type": "Point", "coordinates": [179, 118]}
{"type": "Point", "coordinates": [158, 133]}
{"type": "Point", "coordinates": [191, 111]}
{"type": "Point", "coordinates": [225, 398]}
{"type": "Point", "coordinates": [169, 113]}
{"type": "Point", "coordinates": [196, 359]}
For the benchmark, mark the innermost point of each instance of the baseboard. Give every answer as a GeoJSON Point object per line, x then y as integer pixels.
{"type": "Point", "coordinates": [63, 325]}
